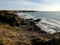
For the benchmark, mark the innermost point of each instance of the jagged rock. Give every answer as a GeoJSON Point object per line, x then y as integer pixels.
{"type": "Point", "coordinates": [10, 18]}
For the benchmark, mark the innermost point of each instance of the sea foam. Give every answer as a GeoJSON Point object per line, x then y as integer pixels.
{"type": "Point", "coordinates": [48, 25]}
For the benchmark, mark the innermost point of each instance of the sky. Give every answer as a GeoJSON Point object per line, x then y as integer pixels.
{"type": "Point", "coordinates": [40, 5]}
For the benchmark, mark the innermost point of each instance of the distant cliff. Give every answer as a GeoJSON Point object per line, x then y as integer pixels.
{"type": "Point", "coordinates": [16, 11]}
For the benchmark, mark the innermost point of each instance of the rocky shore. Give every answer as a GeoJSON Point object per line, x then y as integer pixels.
{"type": "Point", "coordinates": [17, 31]}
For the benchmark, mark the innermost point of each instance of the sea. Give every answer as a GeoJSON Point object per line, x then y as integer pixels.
{"type": "Point", "coordinates": [50, 20]}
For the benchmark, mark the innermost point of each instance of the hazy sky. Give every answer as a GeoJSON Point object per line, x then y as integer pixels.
{"type": "Point", "coordinates": [42, 5]}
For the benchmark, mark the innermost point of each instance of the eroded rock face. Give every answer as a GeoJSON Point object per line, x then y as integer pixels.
{"type": "Point", "coordinates": [9, 18]}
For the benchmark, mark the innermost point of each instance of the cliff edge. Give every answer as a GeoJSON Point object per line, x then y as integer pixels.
{"type": "Point", "coordinates": [17, 31]}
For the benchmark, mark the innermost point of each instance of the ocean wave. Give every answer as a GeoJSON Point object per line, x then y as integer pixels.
{"type": "Point", "coordinates": [26, 16]}
{"type": "Point", "coordinates": [48, 25]}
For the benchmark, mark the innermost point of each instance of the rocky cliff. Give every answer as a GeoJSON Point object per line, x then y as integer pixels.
{"type": "Point", "coordinates": [17, 31]}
